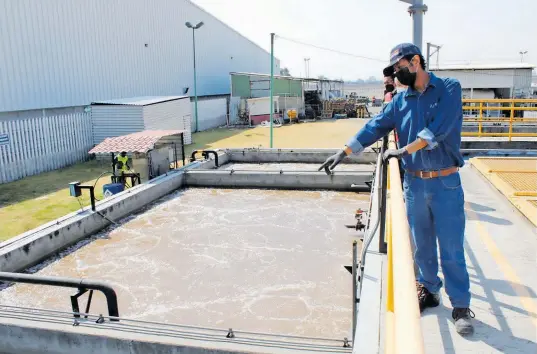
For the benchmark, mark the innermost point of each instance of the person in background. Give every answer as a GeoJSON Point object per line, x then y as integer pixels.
{"type": "Point", "coordinates": [121, 163]}
{"type": "Point", "coordinates": [428, 119]}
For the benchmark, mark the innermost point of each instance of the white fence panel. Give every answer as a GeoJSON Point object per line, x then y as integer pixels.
{"type": "Point", "coordinates": [36, 145]}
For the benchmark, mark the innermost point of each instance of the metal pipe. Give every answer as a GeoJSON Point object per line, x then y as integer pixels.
{"type": "Point", "coordinates": [107, 290]}
{"type": "Point", "coordinates": [207, 152]}
{"type": "Point", "coordinates": [193, 155]}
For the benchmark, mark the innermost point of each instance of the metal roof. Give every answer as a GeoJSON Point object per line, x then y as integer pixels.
{"type": "Point", "coordinates": [283, 77]}
{"type": "Point", "coordinates": [484, 66]}
{"type": "Point", "coordinates": [140, 101]}
{"type": "Point", "coordinates": [140, 142]}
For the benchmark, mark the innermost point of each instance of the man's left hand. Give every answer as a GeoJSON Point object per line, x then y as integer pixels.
{"type": "Point", "coordinates": [399, 153]}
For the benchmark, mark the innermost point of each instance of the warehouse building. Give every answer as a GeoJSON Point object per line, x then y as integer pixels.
{"type": "Point", "coordinates": [59, 56]}
{"type": "Point", "coordinates": [290, 93]}
{"type": "Point", "coordinates": [487, 81]}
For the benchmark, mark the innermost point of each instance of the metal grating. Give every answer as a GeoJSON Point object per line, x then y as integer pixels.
{"type": "Point", "coordinates": [515, 177]}
{"type": "Point", "coordinates": [520, 181]}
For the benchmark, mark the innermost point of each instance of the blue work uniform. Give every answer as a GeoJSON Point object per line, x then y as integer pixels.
{"type": "Point", "coordinates": [435, 206]}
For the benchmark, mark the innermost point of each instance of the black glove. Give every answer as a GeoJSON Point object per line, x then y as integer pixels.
{"type": "Point", "coordinates": [333, 161]}
{"type": "Point", "coordinates": [394, 153]}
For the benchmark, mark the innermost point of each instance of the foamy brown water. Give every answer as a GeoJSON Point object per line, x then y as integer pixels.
{"type": "Point", "coordinates": [256, 260]}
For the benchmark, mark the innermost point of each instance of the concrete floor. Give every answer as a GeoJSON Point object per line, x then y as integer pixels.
{"type": "Point", "coordinates": [501, 253]}
{"type": "Point", "coordinates": [267, 261]}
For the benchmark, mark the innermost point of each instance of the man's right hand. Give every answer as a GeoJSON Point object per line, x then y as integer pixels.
{"type": "Point", "coordinates": [333, 161]}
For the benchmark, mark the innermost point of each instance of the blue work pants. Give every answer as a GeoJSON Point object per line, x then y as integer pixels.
{"type": "Point", "coordinates": [435, 210]}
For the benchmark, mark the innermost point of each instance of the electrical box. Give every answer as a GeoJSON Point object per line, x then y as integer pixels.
{"type": "Point", "coordinates": [74, 191]}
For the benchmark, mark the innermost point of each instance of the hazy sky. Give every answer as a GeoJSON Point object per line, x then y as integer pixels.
{"type": "Point", "coordinates": [491, 31]}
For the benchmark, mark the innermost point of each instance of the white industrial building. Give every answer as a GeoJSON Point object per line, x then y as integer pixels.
{"type": "Point", "coordinates": [57, 53]}
{"type": "Point", "coordinates": [487, 81]}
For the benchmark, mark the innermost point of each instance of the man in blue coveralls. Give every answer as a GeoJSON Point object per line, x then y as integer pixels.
{"type": "Point", "coordinates": [428, 120]}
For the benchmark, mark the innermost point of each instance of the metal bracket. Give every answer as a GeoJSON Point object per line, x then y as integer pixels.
{"type": "Point", "coordinates": [230, 333]}
{"type": "Point", "coordinates": [346, 343]}
{"type": "Point", "coordinates": [100, 319]}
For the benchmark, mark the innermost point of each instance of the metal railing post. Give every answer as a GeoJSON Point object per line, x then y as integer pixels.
{"type": "Point", "coordinates": [511, 119]}
{"type": "Point", "coordinates": [354, 287]}
{"type": "Point", "coordinates": [480, 118]}
{"type": "Point", "coordinates": [382, 202]}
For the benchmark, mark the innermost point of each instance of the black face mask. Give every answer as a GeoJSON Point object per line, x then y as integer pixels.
{"type": "Point", "coordinates": [390, 88]}
{"type": "Point", "coordinates": [405, 77]}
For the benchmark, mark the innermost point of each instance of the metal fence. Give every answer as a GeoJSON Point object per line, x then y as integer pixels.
{"type": "Point", "coordinates": [32, 146]}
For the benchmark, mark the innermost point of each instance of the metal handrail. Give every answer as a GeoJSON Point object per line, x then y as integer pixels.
{"type": "Point", "coordinates": [511, 120]}
{"type": "Point", "coordinates": [403, 324]}
{"type": "Point", "coordinates": [81, 284]}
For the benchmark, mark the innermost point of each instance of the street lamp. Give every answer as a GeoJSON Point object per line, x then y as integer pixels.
{"type": "Point", "coordinates": [522, 55]}
{"type": "Point", "coordinates": [194, 28]}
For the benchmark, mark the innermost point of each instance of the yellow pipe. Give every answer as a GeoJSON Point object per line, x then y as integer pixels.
{"type": "Point", "coordinates": [408, 334]}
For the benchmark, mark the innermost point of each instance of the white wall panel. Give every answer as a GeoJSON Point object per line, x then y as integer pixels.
{"type": "Point", "coordinates": [212, 113]}
{"type": "Point", "coordinates": [58, 53]}
{"type": "Point", "coordinates": [115, 120]}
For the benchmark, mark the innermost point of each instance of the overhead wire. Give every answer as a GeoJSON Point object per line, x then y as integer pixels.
{"type": "Point", "coordinates": [330, 49]}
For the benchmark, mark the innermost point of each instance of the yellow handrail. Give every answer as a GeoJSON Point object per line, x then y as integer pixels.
{"type": "Point", "coordinates": [481, 105]}
{"type": "Point", "coordinates": [403, 324]}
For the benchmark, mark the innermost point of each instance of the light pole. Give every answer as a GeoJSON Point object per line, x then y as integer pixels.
{"type": "Point", "coordinates": [522, 55]}
{"type": "Point", "coordinates": [194, 28]}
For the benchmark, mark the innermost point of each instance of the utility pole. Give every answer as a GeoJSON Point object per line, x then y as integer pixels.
{"type": "Point", "coordinates": [271, 104]}
{"type": "Point", "coordinates": [416, 9]}
{"type": "Point", "coordinates": [429, 54]}
{"type": "Point", "coordinates": [307, 67]}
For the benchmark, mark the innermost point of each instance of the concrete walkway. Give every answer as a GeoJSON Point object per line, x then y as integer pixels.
{"type": "Point", "coordinates": [501, 253]}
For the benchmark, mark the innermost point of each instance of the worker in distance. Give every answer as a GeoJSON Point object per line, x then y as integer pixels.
{"type": "Point", "coordinates": [428, 119]}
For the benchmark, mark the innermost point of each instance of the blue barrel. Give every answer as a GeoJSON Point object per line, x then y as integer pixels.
{"type": "Point", "coordinates": [112, 188]}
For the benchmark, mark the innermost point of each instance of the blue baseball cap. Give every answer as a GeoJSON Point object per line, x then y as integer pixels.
{"type": "Point", "coordinates": [397, 53]}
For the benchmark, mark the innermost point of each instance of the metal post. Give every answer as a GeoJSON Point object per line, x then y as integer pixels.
{"type": "Point", "coordinates": [354, 287]}
{"type": "Point", "coordinates": [383, 247]}
{"type": "Point", "coordinates": [183, 147]}
{"type": "Point", "coordinates": [195, 80]}
{"type": "Point", "coordinates": [428, 55]}
{"type": "Point", "coordinates": [92, 197]}
{"type": "Point", "coordinates": [416, 10]}
{"type": "Point", "coordinates": [271, 104]}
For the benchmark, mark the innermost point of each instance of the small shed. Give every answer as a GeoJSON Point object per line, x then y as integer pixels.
{"type": "Point", "coordinates": [130, 115]}
{"type": "Point", "coordinates": [153, 152]}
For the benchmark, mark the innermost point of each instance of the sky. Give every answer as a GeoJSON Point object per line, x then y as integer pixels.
{"type": "Point", "coordinates": [469, 31]}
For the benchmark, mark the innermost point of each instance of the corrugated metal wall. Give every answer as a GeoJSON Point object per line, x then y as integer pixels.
{"type": "Point", "coordinates": [169, 116]}
{"type": "Point", "coordinates": [58, 53]}
{"type": "Point", "coordinates": [43, 144]}
{"type": "Point", "coordinates": [115, 120]}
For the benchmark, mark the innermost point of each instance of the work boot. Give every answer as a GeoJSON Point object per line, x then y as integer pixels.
{"type": "Point", "coordinates": [463, 320]}
{"type": "Point", "coordinates": [426, 298]}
